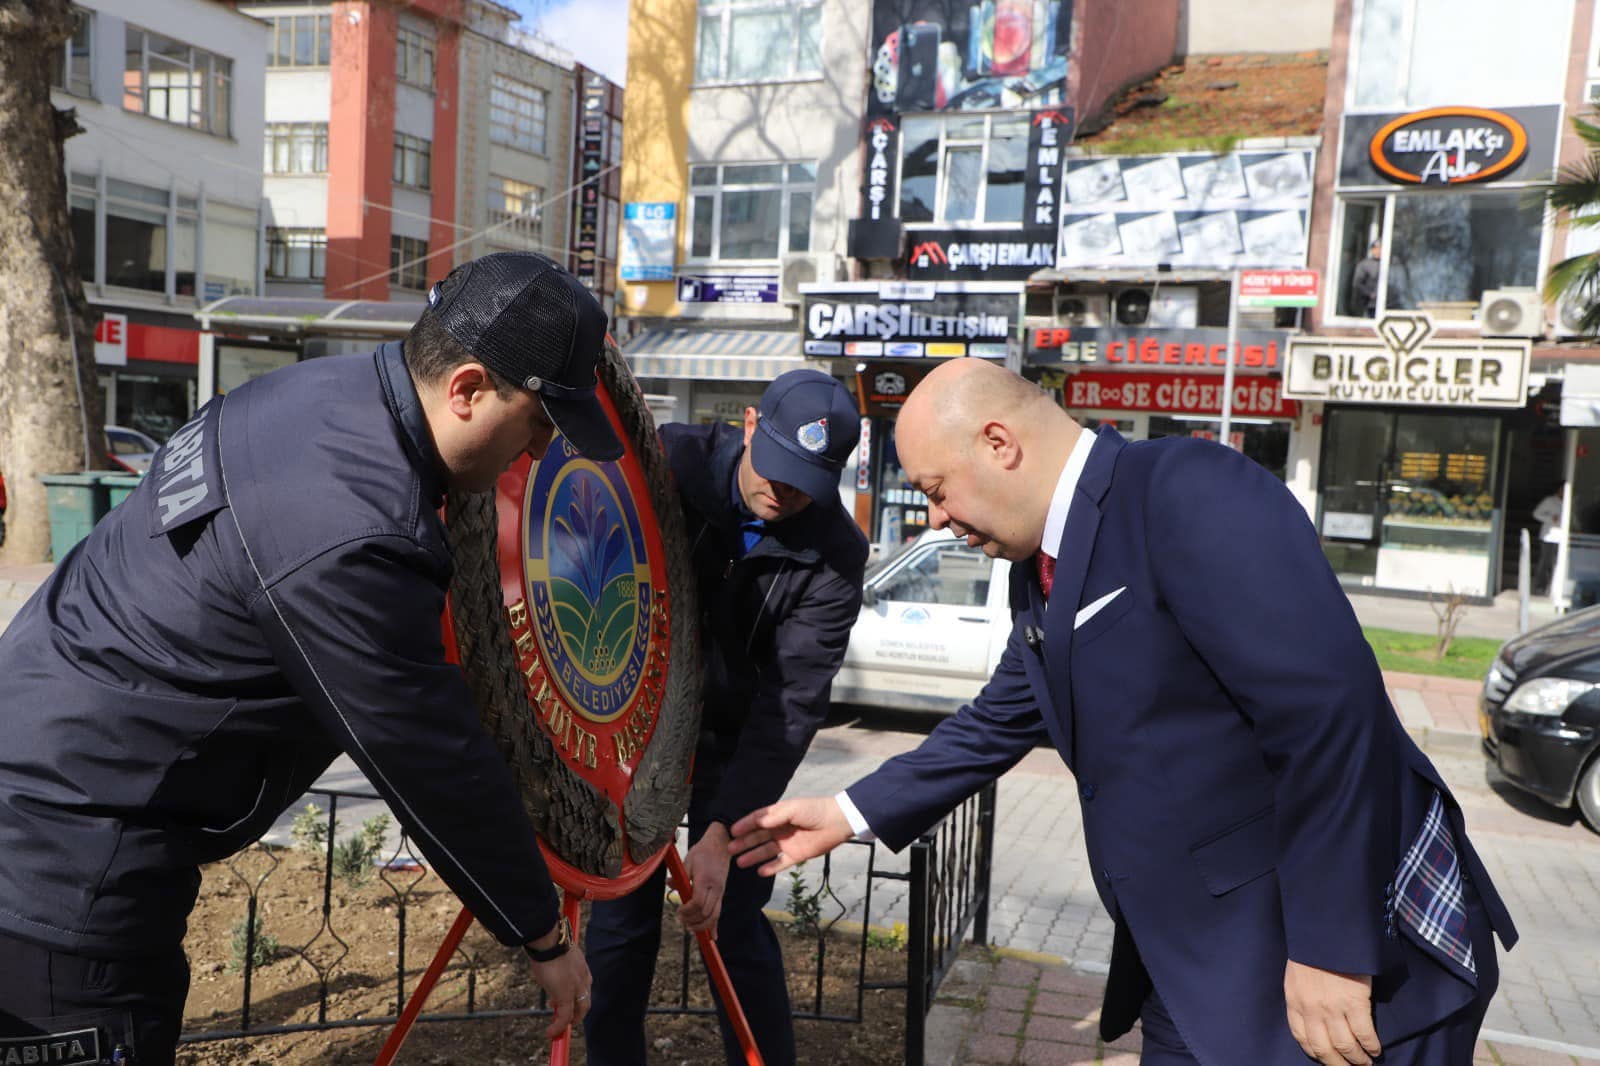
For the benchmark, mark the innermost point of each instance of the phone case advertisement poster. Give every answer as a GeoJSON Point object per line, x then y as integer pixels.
{"type": "Point", "coordinates": [1238, 209]}
{"type": "Point", "coordinates": [968, 55]}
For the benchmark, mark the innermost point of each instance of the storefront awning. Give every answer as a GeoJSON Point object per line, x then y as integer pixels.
{"type": "Point", "coordinates": [297, 316]}
{"type": "Point", "coordinates": [714, 354]}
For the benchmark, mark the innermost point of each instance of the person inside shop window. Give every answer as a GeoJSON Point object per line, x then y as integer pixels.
{"type": "Point", "coordinates": [1364, 282]}
{"type": "Point", "coordinates": [1548, 514]}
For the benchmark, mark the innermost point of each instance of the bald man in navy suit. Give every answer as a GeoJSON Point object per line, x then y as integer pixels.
{"type": "Point", "coordinates": [1287, 872]}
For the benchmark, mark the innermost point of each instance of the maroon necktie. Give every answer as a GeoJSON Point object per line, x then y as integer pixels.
{"type": "Point", "coordinates": [1047, 572]}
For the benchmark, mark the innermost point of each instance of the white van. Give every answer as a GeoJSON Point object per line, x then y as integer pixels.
{"type": "Point", "coordinates": [932, 627]}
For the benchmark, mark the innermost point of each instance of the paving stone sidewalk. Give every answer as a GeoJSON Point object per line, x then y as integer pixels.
{"type": "Point", "coordinates": [1004, 1007]}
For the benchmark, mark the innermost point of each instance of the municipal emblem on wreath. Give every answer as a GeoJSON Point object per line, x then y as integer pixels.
{"type": "Point", "coordinates": [590, 590]}
{"type": "Point", "coordinates": [813, 436]}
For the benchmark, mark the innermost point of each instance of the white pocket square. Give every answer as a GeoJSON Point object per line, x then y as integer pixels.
{"type": "Point", "coordinates": [1094, 608]}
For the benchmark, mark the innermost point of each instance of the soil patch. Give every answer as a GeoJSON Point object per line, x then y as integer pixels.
{"type": "Point", "coordinates": [354, 946]}
{"type": "Point", "coordinates": [1211, 101]}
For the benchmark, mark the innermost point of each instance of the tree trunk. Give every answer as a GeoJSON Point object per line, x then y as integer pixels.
{"type": "Point", "coordinates": [50, 405]}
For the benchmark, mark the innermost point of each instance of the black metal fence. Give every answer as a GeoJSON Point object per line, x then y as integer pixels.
{"type": "Point", "coordinates": [947, 879]}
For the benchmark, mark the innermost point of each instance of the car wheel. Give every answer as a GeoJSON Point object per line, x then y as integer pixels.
{"type": "Point", "coordinates": [1588, 793]}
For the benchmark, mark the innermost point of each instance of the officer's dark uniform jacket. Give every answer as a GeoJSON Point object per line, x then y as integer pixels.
{"type": "Point", "coordinates": [268, 596]}
{"type": "Point", "coordinates": [776, 620]}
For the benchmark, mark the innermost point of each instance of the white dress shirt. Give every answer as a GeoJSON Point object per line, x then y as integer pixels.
{"type": "Point", "coordinates": [1055, 524]}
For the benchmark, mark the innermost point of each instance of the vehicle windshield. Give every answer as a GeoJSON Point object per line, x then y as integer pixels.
{"type": "Point", "coordinates": [885, 560]}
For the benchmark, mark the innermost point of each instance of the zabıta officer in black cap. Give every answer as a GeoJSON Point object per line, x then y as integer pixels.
{"type": "Point", "coordinates": [779, 566]}
{"type": "Point", "coordinates": [268, 597]}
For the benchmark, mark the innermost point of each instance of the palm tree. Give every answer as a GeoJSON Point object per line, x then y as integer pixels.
{"type": "Point", "coordinates": [1576, 192]}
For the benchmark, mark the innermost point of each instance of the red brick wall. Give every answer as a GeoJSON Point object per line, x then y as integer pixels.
{"type": "Point", "coordinates": [361, 150]}
{"type": "Point", "coordinates": [1114, 43]}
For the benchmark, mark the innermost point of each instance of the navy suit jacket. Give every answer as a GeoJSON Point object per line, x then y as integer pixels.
{"type": "Point", "coordinates": [1247, 790]}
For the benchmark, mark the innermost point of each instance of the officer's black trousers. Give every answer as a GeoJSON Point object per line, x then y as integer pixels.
{"type": "Point", "coordinates": [623, 936]}
{"type": "Point", "coordinates": [136, 1003]}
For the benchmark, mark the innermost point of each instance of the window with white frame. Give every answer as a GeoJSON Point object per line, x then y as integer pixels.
{"type": "Point", "coordinates": [408, 262]}
{"type": "Point", "coordinates": [296, 148]}
{"type": "Point", "coordinates": [758, 40]}
{"type": "Point", "coordinates": [72, 68]}
{"type": "Point", "coordinates": [300, 40]}
{"type": "Point", "coordinates": [1437, 252]}
{"type": "Point", "coordinates": [1416, 53]}
{"type": "Point", "coordinates": [752, 211]}
{"type": "Point", "coordinates": [176, 82]}
{"type": "Point", "coordinates": [963, 168]}
{"type": "Point", "coordinates": [517, 115]}
{"type": "Point", "coordinates": [514, 210]}
{"type": "Point", "coordinates": [297, 254]}
{"type": "Point", "coordinates": [413, 161]}
{"type": "Point", "coordinates": [414, 58]}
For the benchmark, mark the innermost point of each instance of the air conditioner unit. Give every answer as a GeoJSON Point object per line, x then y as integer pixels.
{"type": "Point", "coordinates": [1511, 313]}
{"type": "Point", "coordinates": [804, 268]}
{"type": "Point", "coordinates": [1083, 310]}
{"type": "Point", "coordinates": [1157, 306]}
{"type": "Point", "coordinates": [1569, 312]}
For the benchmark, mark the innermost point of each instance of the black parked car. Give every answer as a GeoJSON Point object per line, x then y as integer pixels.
{"type": "Point", "coordinates": [1541, 707]}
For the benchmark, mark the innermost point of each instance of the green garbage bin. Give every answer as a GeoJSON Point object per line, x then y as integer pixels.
{"type": "Point", "coordinates": [119, 486]}
{"type": "Point", "coordinates": [76, 502]}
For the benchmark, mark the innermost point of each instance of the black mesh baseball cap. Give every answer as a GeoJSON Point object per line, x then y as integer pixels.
{"type": "Point", "coordinates": [809, 426]}
{"type": "Point", "coordinates": [527, 319]}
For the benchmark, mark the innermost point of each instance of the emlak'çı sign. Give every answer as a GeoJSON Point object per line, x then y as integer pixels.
{"type": "Point", "coordinates": [950, 324]}
{"type": "Point", "coordinates": [1401, 366]}
{"type": "Point", "coordinates": [1448, 146]}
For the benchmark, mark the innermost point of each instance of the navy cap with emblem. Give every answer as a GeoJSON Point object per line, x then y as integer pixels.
{"type": "Point", "coordinates": [808, 427]}
{"type": "Point", "coordinates": [528, 320]}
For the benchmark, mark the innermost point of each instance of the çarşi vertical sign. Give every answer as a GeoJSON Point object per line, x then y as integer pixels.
{"type": "Point", "coordinates": [591, 160]}
{"type": "Point", "coordinates": [883, 148]}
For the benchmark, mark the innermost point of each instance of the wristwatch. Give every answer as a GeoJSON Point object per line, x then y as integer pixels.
{"type": "Point", "coordinates": [562, 945]}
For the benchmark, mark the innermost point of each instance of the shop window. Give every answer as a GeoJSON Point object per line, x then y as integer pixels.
{"type": "Point", "coordinates": [758, 40]}
{"type": "Point", "coordinates": [296, 148]}
{"type": "Point", "coordinates": [514, 211]}
{"type": "Point", "coordinates": [1413, 53]}
{"type": "Point", "coordinates": [1409, 499]}
{"type": "Point", "coordinates": [963, 168]}
{"type": "Point", "coordinates": [155, 406]}
{"type": "Point", "coordinates": [413, 161]}
{"type": "Point", "coordinates": [297, 254]}
{"type": "Point", "coordinates": [750, 211]}
{"type": "Point", "coordinates": [517, 115]}
{"type": "Point", "coordinates": [1446, 251]}
{"type": "Point", "coordinates": [408, 263]}
{"type": "Point", "coordinates": [177, 83]}
{"type": "Point", "coordinates": [1263, 440]}
{"type": "Point", "coordinates": [72, 67]}
{"type": "Point", "coordinates": [414, 58]}
{"type": "Point", "coordinates": [1437, 252]}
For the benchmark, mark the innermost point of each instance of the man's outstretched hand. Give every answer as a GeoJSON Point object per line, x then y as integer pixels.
{"type": "Point", "coordinates": [788, 833]}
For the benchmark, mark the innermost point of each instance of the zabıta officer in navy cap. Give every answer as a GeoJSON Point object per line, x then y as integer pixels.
{"type": "Point", "coordinates": [268, 597]}
{"type": "Point", "coordinates": [779, 565]}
